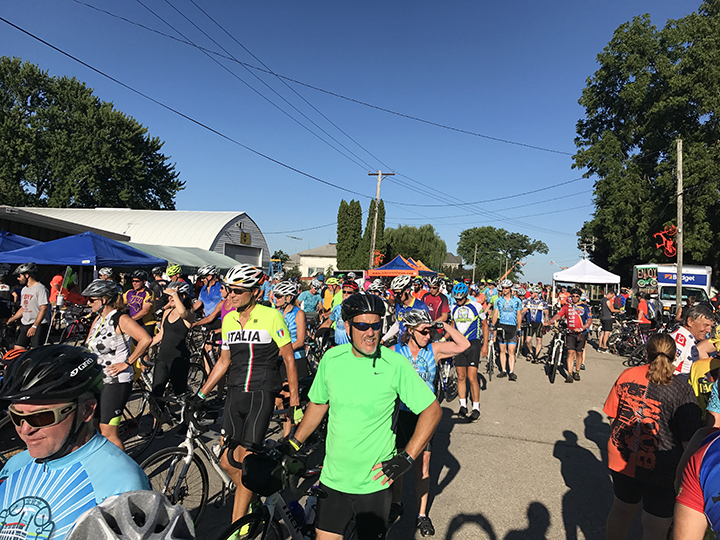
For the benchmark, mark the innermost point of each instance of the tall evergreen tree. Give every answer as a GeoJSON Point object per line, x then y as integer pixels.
{"type": "Point", "coordinates": [364, 251]}
{"type": "Point", "coordinates": [349, 227]}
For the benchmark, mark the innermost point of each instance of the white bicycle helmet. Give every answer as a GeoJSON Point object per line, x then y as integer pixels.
{"type": "Point", "coordinates": [400, 283]}
{"type": "Point", "coordinates": [316, 283]}
{"type": "Point", "coordinates": [414, 317]}
{"type": "Point", "coordinates": [434, 281]}
{"type": "Point", "coordinates": [505, 283]}
{"type": "Point", "coordinates": [207, 270]}
{"type": "Point", "coordinates": [134, 515]}
{"type": "Point", "coordinates": [244, 275]}
{"type": "Point", "coordinates": [377, 285]}
{"type": "Point", "coordinates": [279, 275]}
{"type": "Point", "coordinates": [351, 275]}
{"type": "Point", "coordinates": [106, 271]}
{"type": "Point", "coordinates": [285, 288]}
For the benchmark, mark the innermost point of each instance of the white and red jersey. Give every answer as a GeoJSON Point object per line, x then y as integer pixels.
{"type": "Point", "coordinates": [575, 314]}
{"type": "Point", "coordinates": [687, 352]}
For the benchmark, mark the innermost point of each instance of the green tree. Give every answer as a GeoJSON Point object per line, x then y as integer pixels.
{"type": "Point", "coordinates": [653, 87]}
{"type": "Point", "coordinates": [364, 252]}
{"type": "Point", "coordinates": [496, 250]}
{"type": "Point", "coordinates": [349, 227]}
{"type": "Point", "coordinates": [420, 243]}
{"type": "Point", "coordinates": [281, 256]}
{"type": "Point", "coordinates": [61, 146]}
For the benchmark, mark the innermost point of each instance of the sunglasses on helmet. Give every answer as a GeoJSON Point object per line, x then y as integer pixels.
{"type": "Point", "coordinates": [43, 418]}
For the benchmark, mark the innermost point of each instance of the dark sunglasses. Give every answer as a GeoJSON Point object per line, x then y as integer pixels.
{"type": "Point", "coordinates": [44, 418]}
{"type": "Point", "coordinates": [348, 292]}
{"type": "Point", "coordinates": [364, 327]}
{"type": "Point", "coordinates": [576, 296]}
{"type": "Point", "coordinates": [424, 332]}
{"type": "Point", "coordinates": [233, 290]}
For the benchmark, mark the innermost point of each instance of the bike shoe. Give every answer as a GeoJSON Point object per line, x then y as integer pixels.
{"type": "Point", "coordinates": [502, 374]}
{"type": "Point", "coordinates": [425, 526]}
{"type": "Point", "coordinates": [474, 416]}
{"type": "Point", "coordinates": [512, 377]}
{"type": "Point", "coordinates": [582, 367]}
{"type": "Point", "coordinates": [396, 511]}
{"type": "Point", "coordinates": [576, 375]}
{"type": "Point", "coordinates": [462, 411]}
{"type": "Point", "coordinates": [569, 378]}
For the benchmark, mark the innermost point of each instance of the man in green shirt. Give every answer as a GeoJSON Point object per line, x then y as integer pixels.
{"type": "Point", "coordinates": [357, 385]}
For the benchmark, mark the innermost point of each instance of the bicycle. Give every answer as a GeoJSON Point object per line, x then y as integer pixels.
{"type": "Point", "coordinates": [556, 352]}
{"type": "Point", "coordinates": [77, 321]}
{"type": "Point", "coordinates": [264, 521]}
{"type": "Point", "coordinates": [446, 381]}
{"type": "Point", "coordinates": [492, 354]}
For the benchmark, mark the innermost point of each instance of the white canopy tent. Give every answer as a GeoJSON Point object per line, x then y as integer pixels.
{"type": "Point", "coordinates": [586, 272]}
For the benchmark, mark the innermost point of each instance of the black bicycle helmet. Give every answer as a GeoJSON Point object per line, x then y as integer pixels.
{"type": "Point", "coordinates": [140, 274]}
{"type": "Point", "coordinates": [134, 515]}
{"type": "Point", "coordinates": [51, 373]}
{"type": "Point", "coordinates": [26, 268]}
{"type": "Point", "coordinates": [361, 303]}
{"type": "Point", "coordinates": [101, 289]}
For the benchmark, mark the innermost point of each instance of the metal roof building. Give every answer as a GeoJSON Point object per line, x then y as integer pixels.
{"type": "Point", "coordinates": [233, 234]}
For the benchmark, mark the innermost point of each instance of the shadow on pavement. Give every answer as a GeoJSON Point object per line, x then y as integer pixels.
{"type": "Point", "coordinates": [598, 431]}
{"type": "Point", "coordinates": [538, 524]}
{"type": "Point", "coordinates": [586, 504]}
{"type": "Point", "coordinates": [461, 520]}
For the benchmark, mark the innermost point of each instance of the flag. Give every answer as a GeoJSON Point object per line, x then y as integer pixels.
{"type": "Point", "coordinates": [69, 277]}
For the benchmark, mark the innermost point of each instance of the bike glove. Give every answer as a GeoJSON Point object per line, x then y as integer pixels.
{"type": "Point", "coordinates": [289, 446]}
{"type": "Point", "coordinates": [295, 414]}
{"type": "Point", "coordinates": [397, 466]}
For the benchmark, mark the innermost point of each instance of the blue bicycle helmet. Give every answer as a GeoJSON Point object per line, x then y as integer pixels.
{"type": "Point", "coordinates": [460, 290]}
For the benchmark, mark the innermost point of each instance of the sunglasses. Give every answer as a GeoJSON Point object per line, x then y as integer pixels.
{"type": "Point", "coordinates": [434, 287]}
{"type": "Point", "coordinates": [238, 292]}
{"type": "Point", "coordinates": [137, 280]}
{"type": "Point", "coordinates": [92, 300]}
{"type": "Point", "coordinates": [44, 418]}
{"type": "Point", "coordinates": [423, 332]}
{"type": "Point", "coordinates": [348, 292]}
{"type": "Point", "coordinates": [364, 327]}
{"type": "Point", "coordinates": [576, 296]}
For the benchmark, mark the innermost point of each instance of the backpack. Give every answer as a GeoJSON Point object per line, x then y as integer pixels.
{"type": "Point", "coordinates": [652, 312]}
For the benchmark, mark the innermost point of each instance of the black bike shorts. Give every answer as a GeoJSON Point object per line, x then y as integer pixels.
{"type": "Point", "coordinates": [35, 341]}
{"type": "Point", "coordinates": [370, 510]}
{"type": "Point", "coordinates": [606, 325]}
{"type": "Point", "coordinates": [471, 356]}
{"type": "Point", "coordinates": [510, 337]}
{"type": "Point", "coordinates": [575, 341]}
{"type": "Point", "coordinates": [407, 421]}
{"type": "Point", "coordinates": [247, 416]}
{"type": "Point", "coordinates": [658, 500]}
{"type": "Point", "coordinates": [534, 330]}
{"type": "Point", "coordinates": [113, 398]}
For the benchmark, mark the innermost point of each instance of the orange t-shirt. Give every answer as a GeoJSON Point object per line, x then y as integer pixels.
{"type": "Point", "coordinates": [563, 296]}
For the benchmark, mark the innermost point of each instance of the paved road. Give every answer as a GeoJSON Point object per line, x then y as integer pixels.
{"type": "Point", "coordinates": [533, 467]}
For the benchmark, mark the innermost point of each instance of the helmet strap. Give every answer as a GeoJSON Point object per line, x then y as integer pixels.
{"type": "Point", "coordinates": [249, 305]}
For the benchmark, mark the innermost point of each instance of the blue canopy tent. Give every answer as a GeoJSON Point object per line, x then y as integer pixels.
{"type": "Point", "coordinates": [10, 241]}
{"type": "Point", "coordinates": [395, 267]}
{"type": "Point", "coordinates": [85, 249]}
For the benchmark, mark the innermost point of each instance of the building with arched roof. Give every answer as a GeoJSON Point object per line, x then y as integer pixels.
{"type": "Point", "coordinates": [233, 234]}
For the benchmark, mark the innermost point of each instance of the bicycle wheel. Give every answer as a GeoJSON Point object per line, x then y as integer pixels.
{"type": "Point", "coordinates": [137, 428]}
{"type": "Point", "coordinates": [637, 358]}
{"type": "Point", "coordinates": [451, 389]}
{"type": "Point", "coordinates": [556, 359]}
{"type": "Point", "coordinates": [196, 377]}
{"type": "Point", "coordinates": [181, 483]}
{"type": "Point", "coordinates": [73, 335]}
{"type": "Point", "coordinates": [490, 368]}
{"type": "Point", "coordinates": [254, 527]}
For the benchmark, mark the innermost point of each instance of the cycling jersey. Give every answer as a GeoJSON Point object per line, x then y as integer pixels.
{"type": "Point", "coordinates": [489, 292]}
{"type": "Point", "coordinates": [468, 319]}
{"type": "Point", "coordinates": [341, 336]}
{"type": "Point", "coordinates": [400, 310]}
{"type": "Point", "coordinates": [508, 310]}
{"type": "Point", "coordinates": [424, 364]}
{"type": "Point", "coordinates": [701, 481]}
{"type": "Point", "coordinates": [42, 500]}
{"type": "Point", "coordinates": [576, 315]}
{"type": "Point", "coordinates": [211, 297]}
{"type": "Point", "coordinates": [290, 320]}
{"type": "Point", "coordinates": [266, 288]}
{"type": "Point", "coordinates": [687, 351]}
{"type": "Point", "coordinates": [436, 304]}
{"type": "Point", "coordinates": [536, 309]}
{"type": "Point", "coordinates": [255, 348]}
{"type": "Point", "coordinates": [137, 300]}
{"type": "Point", "coordinates": [309, 302]}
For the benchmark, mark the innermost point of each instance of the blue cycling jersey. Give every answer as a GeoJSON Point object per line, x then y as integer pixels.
{"type": "Point", "coordinates": [309, 302]}
{"type": "Point", "coordinates": [400, 310]}
{"type": "Point", "coordinates": [341, 336]}
{"type": "Point", "coordinates": [42, 500]}
{"type": "Point", "coordinates": [535, 309]}
{"type": "Point", "coordinates": [210, 297]}
{"type": "Point", "coordinates": [291, 322]}
{"type": "Point", "coordinates": [508, 310]}
{"type": "Point", "coordinates": [424, 364]}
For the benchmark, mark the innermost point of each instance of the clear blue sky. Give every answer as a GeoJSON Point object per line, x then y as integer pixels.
{"type": "Point", "coordinates": [508, 70]}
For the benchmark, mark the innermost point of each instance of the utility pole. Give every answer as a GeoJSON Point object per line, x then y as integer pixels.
{"type": "Point", "coordinates": [585, 246]}
{"type": "Point", "coordinates": [679, 236]}
{"type": "Point", "coordinates": [377, 204]}
{"type": "Point", "coordinates": [474, 260]}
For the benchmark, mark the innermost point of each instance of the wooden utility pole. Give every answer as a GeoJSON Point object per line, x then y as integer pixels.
{"type": "Point", "coordinates": [679, 236]}
{"type": "Point", "coordinates": [377, 204]}
{"type": "Point", "coordinates": [474, 260]}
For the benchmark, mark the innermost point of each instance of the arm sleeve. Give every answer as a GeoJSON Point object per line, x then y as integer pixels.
{"type": "Point", "coordinates": [392, 331]}
{"type": "Point", "coordinates": [691, 494]}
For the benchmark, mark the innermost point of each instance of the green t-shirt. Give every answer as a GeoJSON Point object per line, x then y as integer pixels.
{"type": "Point", "coordinates": [362, 393]}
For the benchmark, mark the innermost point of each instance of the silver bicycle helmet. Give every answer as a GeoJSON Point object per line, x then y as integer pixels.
{"type": "Point", "coordinates": [106, 271]}
{"type": "Point", "coordinates": [207, 270]}
{"type": "Point", "coordinates": [134, 515]}
{"type": "Point", "coordinates": [101, 289]}
{"type": "Point", "coordinates": [244, 275]}
{"type": "Point", "coordinates": [400, 283]}
{"type": "Point", "coordinates": [279, 275]}
{"type": "Point", "coordinates": [506, 283]}
{"type": "Point", "coordinates": [285, 288]}
{"type": "Point", "coordinates": [414, 317]}
{"type": "Point", "coordinates": [351, 275]}
{"type": "Point", "coordinates": [434, 281]}
{"type": "Point", "coordinates": [180, 286]}
{"type": "Point", "coordinates": [377, 286]}
{"type": "Point", "coordinates": [26, 268]}
{"type": "Point", "coordinates": [316, 283]}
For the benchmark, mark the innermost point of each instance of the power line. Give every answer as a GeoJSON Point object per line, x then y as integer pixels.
{"type": "Point", "coordinates": [334, 94]}
{"type": "Point", "coordinates": [302, 230]}
{"type": "Point", "coordinates": [183, 115]}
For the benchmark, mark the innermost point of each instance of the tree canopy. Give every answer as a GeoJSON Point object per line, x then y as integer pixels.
{"type": "Point", "coordinates": [420, 243]}
{"type": "Point", "coordinates": [653, 87]}
{"type": "Point", "coordinates": [61, 146]}
{"type": "Point", "coordinates": [349, 229]}
{"type": "Point", "coordinates": [496, 248]}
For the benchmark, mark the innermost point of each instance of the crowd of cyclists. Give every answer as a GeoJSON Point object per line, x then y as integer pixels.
{"type": "Point", "coordinates": [381, 342]}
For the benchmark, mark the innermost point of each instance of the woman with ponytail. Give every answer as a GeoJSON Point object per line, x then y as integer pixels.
{"type": "Point", "coordinates": [654, 414]}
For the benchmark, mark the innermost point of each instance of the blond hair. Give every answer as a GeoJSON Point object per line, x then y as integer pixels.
{"type": "Point", "coordinates": [661, 351]}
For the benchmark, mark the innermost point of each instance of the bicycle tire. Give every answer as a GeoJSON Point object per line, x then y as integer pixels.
{"type": "Point", "coordinates": [451, 387]}
{"type": "Point", "coordinates": [137, 428]}
{"type": "Point", "coordinates": [196, 377]}
{"type": "Point", "coordinates": [490, 368]}
{"type": "Point", "coordinates": [556, 359]}
{"type": "Point", "coordinates": [257, 529]}
{"type": "Point", "coordinates": [637, 357]}
{"type": "Point", "coordinates": [72, 335]}
{"type": "Point", "coordinates": [164, 470]}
